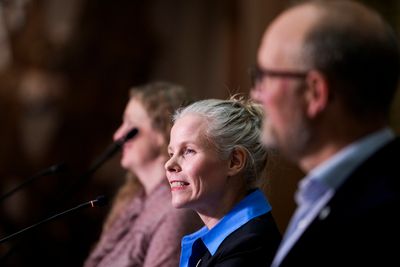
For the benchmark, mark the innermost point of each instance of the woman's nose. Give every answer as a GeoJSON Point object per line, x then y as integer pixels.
{"type": "Point", "coordinates": [171, 165]}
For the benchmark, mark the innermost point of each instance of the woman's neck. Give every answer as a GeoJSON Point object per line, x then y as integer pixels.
{"type": "Point", "coordinates": [215, 210]}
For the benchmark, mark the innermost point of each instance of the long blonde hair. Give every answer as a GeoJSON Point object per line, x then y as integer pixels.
{"type": "Point", "coordinates": [160, 100]}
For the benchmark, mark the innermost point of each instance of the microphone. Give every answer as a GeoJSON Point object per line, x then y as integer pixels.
{"type": "Point", "coordinates": [98, 202]}
{"type": "Point", "coordinates": [61, 167]}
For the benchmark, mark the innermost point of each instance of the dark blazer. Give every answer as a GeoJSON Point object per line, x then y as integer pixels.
{"type": "Point", "coordinates": [253, 244]}
{"type": "Point", "coordinates": [360, 225]}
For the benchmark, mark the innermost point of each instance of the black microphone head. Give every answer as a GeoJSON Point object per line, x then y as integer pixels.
{"type": "Point", "coordinates": [131, 134]}
{"type": "Point", "coordinates": [100, 201]}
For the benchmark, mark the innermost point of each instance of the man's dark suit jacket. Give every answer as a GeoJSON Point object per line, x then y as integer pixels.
{"type": "Point", "coordinates": [254, 244]}
{"type": "Point", "coordinates": [360, 225]}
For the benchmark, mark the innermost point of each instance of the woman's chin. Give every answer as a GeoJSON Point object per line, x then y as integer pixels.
{"type": "Point", "coordinates": [178, 203]}
{"type": "Point", "coordinates": [127, 165]}
{"type": "Point", "coordinates": [124, 164]}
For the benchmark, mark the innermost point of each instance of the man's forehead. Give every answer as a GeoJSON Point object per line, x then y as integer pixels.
{"type": "Point", "coordinates": [284, 37]}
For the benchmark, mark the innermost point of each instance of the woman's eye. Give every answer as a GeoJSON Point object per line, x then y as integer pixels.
{"type": "Point", "coordinates": [171, 154]}
{"type": "Point", "coordinates": [188, 151]}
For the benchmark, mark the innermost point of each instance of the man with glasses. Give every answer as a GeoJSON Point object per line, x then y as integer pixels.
{"type": "Point", "coordinates": [326, 75]}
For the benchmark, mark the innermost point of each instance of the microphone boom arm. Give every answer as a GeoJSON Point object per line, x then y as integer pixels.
{"type": "Point", "coordinates": [49, 171]}
{"type": "Point", "coordinates": [98, 202]}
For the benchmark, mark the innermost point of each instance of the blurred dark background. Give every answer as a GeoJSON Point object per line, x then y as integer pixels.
{"type": "Point", "coordinates": [65, 70]}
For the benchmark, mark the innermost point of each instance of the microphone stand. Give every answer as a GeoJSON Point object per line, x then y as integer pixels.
{"type": "Point", "coordinates": [98, 162]}
{"type": "Point", "coordinates": [49, 171]}
{"type": "Point", "coordinates": [98, 202]}
{"type": "Point", "coordinates": [109, 152]}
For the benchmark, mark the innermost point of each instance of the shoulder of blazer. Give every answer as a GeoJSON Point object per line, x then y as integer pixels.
{"type": "Point", "coordinates": [255, 241]}
{"type": "Point", "coordinates": [374, 182]}
{"type": "Point", "coordinates": [259, 228]}
{"type": "Point", "coordinates": [378, 172]}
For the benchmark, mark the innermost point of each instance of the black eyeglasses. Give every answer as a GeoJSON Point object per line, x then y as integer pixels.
{"type": "Point", "coordinates": [257, 74]}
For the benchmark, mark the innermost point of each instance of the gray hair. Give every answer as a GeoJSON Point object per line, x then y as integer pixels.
{"type": "Point", "coordinates": [234, 123]}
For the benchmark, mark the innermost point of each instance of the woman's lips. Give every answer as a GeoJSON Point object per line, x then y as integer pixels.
{"type": "Point", "coordinates": [178, 185]}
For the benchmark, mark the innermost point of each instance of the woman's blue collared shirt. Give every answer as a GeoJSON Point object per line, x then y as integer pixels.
{"type": "Point", "coordinates": [253, 205]}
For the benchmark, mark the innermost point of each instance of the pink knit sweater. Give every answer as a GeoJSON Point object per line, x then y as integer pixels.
{"type": "Point", "coordinates": [147, 234]}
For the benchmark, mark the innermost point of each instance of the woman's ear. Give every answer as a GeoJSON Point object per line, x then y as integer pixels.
{"type": "Point", "coordinates": [237, 161]}
{"type": "Point", "coordinates": [317, 94]}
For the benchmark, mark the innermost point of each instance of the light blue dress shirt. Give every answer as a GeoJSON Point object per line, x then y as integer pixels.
{"type": "Point", "coordinates": [253, 205]}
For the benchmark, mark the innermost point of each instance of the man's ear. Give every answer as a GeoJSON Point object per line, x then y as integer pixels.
{"type": "Point", "coordinates": [317, 94]}
{"type": "Point", "coordinates": [237, 161]}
